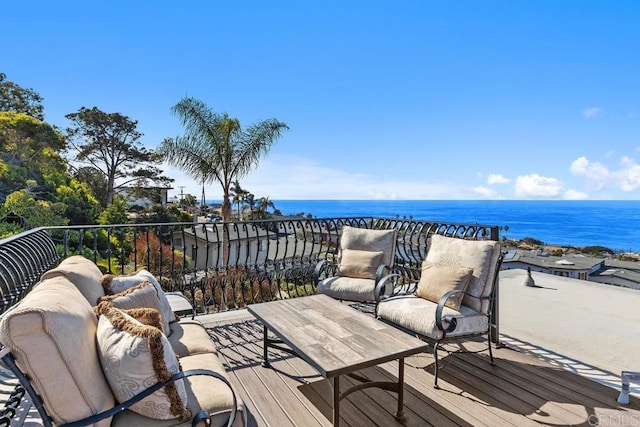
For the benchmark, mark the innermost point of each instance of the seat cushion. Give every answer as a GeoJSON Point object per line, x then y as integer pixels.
{"type": "Point", "coordinates": [189, 337]}
{"type": "Point", "coordinates": [114, 284]}
{"type": "Point", "coordinates": [142, 295]}
{"type": "Point", "coordinates": [52, 335]}
{"type": "Point", "coordinates": [83, 273]}
{"type": "Point", "coordinates": [436, 280]}
{"type": "Point", "coordinates": [348, 288]}
{"type": "Point", "coordinates": [203, 393]}
{"type": "Point", "coordinates": [134, 357]}
{"type": "Point", "coordinates": [359, 263]}
{"type": "Point", "coordinates": [419, 315]}
{"type": "Point", "coordinates": [370, 240]}
{"type": "Point", "coordinates": [481, 255]}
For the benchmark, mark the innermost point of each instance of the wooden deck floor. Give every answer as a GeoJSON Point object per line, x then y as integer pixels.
{"type": "Point", "coordinates": [518, 390]}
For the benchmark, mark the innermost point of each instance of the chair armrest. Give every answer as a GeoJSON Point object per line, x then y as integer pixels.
{"type": "Point", "coordinates": [324, 268]}
{"type": "Point", "coordinates": [380, 290]}
{"type": "Point", "coordinates": [135, 399]}
{"type": "Point", "coordinates": [380, 271]}
{"type": "Point", "coordinates": [451, 319]}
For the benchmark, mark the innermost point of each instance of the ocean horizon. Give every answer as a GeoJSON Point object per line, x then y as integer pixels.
{"type": "Point", "coordinates": [613, 224]}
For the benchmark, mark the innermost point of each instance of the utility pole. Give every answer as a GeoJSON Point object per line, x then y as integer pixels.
{"type": "Point", "coordinates": [181, 187]}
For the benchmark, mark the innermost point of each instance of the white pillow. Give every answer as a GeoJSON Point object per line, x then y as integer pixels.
{"type": "Point", "coordinates": [134, 357]}
{"type": "Point", "coordinates": [115, 284]}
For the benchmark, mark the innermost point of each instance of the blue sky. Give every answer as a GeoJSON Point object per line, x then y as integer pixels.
{"type": "Point", "coordinates": [385, 100]}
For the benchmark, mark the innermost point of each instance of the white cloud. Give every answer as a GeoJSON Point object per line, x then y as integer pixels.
{"type": "Point", "coordinates": [536, 186]}
{"type": "Point", "coordinates": [484, 192]}
{"type": "Point", "coordinates": [629, 175]}
{"type": "Point", "coordinates": [597, 175]}
{"type": "Point", "coordinates": [497, 179]}
{"type": "Point", "coordinates": [592, 113]}
{"type": "Point", "coordinates": [575, 195]}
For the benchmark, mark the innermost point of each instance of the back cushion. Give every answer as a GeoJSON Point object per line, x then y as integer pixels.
{"type": "Point", "coordinates": [83, 273]}
{"type": "Point", "coordinates": [52, 335]}
{"type": "Point", "coordinates": [363, 239]}
{"type": "Point", "coordinates": [480, 255]}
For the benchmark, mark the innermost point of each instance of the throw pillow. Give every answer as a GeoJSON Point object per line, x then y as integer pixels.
{"type": "Point", "coordinates": [134, 357]}
{"type": "Point", "coordinates": [146, 316]}
{"type": "Point", "coordinates": [436, 280]}
{"type": "Point", "coordinates": [114, 284]}
{"type": "Point", "coordinates": [360, 264]}
{"type": "Point", "coordinates": [143, 295]}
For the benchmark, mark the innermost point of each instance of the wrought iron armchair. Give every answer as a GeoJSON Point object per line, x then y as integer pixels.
{"type": "Point", "coordinates": [453, 301]}
{"type": "Point", "coordinates": [364, 257]}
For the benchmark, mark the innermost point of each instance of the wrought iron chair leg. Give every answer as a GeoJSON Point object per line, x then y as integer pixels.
{"type": "Point", "coordinates": [435, 355]}
{"type": "Point", "coordinates": [490, 350]}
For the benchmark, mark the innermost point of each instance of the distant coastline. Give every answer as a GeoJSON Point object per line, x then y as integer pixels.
{"type": "Point", "coordinates": [612, 224]}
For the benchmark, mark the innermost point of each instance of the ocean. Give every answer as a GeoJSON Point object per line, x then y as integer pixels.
{"type": "Point", "coordinates": [613, 224]}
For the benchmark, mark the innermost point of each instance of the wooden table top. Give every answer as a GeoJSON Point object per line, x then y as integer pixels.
{"type": "Point", "coordinates": [332, 337]}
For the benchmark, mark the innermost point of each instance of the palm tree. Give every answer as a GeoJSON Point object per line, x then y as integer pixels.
{"type": "Point", "coordinates": [263, 204]}
{"type": "Point", "coordinates": [216, 148]}
{"type": "Point", "coordinates": [239, 196]}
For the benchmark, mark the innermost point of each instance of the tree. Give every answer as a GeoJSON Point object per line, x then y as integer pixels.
{"type": "Point", "coordinates": [36, 213]}
{"type": "Point", "coordinates": [20, 100]}
{"type": "Point", "coordinates": [81, 207]}
{"type": "Point", "coordinates": [216, 148]}
{"type": "Point", "coordinates": [110, 144]}
{"type": "Point", "coordinates": [239, 196]}
{"type": "Point", "coordinates": [261, 210]}
{"type": "Point", "coordinates": [29, 151]}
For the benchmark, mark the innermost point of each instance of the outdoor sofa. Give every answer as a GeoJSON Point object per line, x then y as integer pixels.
{"type": "Point", "coordinates": [91, 346]}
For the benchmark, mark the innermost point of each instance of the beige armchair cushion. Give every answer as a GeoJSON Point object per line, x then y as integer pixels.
{"type": "Point", "coordinates": [348, 288]}
{"type": "Point", "coordinates": [134, 357]}
{"type": "Point", "coordinates": [419, 315]}
{"type": "Point", "coordinates": [436, 280]}
{"type": "Point", "coordinates": [359, 263]}
{"type": "Point", "coordinates": [52, 335]}
{"type": "Point", "coordinates": [481, 255]}
{"type": "Point", "coordinates": [114, 284]}
{"type": "Point", "coordinates": [370, 240]}
{"type": "Point", "coordinates": [83, 273]}
{"type": "Point", "coordinates": [144, 294]}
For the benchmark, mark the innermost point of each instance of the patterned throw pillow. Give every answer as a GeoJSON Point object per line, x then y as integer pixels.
{"type": "Point", "coordinates": [114, 284]}
{"type": "Point", "coordinates": [146, 316]}
{"type": "Point", "coordinates": [134, 357]}
{"type": "Point", "coordinates": [436, 280]}
{"type": "Point", "coordinates": [142, 295]}
{"type": "Point", "coordinates": [360, 264]}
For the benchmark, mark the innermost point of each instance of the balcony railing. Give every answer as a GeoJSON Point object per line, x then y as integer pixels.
{"type": "Point", "coordinates": [219, 266]}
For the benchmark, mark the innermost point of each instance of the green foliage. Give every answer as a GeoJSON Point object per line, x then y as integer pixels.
{"type": "Point", "coordinates": [596, 250]}
{"type": "Point", "coordinates": [29, 151]}
{"type": "Point", "coordinates": [114, 213]}
{"type": "Point", "coordinates": [37, 213]}
{"type": "Point", "coordinates": [557, 252]}
{"type": "Point", "coordinates": [20, 100]}
{"type": "Point", "coordinates": [532, 242]}
{"type": "Point", "coordinates": [9, 229]}
{"type": "Point", "coordinates": [82, 207]}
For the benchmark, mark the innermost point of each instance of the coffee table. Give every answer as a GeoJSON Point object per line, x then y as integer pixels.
{"type": "Point", "coordinates": [336, 340]}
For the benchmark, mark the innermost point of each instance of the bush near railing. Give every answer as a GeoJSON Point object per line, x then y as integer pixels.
{"type": "Point", "coordinates": [219, 266]}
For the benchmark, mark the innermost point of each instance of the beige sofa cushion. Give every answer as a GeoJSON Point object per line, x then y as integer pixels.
{"type": "Point", "coordinates": [144, 294]}
{"type": "Point", "coordinates": [481, 255]}
{"type": "Point", "coordinates": [204, 393]}
{"type": "Point", "coordinates": [189, 337]}
{"type": "Point", "coordinates": [83, 273]}
{"type": "Point", "coordinates": [135, 356]}
{"type": "Point", "coordinates": [114, 284]}
{"type": "Point", "coordinates": [436, 280]}
{"type": "Point", "coordinates": [370, 240]}
{"type": "Point", "coordinates": [359, 263]}
{"type": "Point", "coordinates": [52, 335]}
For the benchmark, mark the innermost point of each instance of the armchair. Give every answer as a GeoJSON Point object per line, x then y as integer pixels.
{"type": "Point", "coordinates": [453, 299]}
{"type": "Point", "coordinates": [364, 257]}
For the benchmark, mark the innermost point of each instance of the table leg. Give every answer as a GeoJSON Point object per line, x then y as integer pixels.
{"type": "Point", "coordinates": [400, 415]}
{"type": "Point", "coordinates": [265, 349]}
{"type": "Point", "coordinates": [336, 400]}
